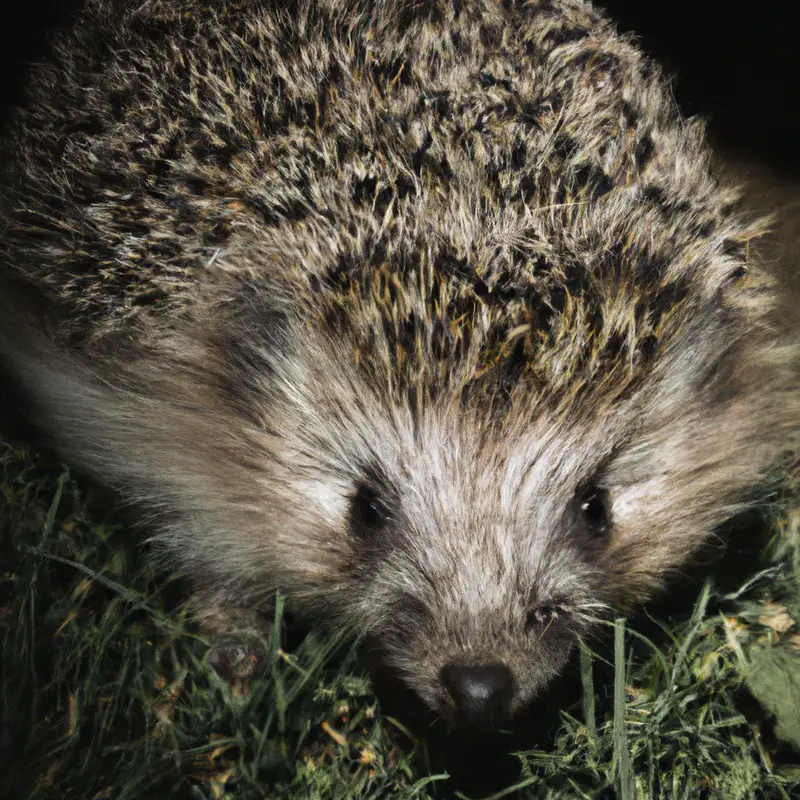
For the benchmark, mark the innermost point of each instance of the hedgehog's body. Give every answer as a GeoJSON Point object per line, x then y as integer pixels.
{"type": "Point", "coordinates": [429, 314]}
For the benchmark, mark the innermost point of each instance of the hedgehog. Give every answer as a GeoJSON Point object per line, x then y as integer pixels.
{"type": "Point", "coordinates": [436, 318]}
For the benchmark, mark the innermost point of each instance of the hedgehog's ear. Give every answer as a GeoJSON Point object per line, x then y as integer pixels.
{"type": "Point", "coordinates": [255, 297]}
{"type": "Point", "coordinates": [253, 329]}
{"type": "Point", "coordinates": [736, 276]}
{"type": "Point", "coordinates": [249, 319]}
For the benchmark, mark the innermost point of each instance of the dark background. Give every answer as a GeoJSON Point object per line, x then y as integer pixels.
{"type": "Point", "coordinates": [738, 69]}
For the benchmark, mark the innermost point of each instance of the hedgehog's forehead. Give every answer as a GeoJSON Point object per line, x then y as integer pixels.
{"type": "Point", "coordinates": [459, 460]}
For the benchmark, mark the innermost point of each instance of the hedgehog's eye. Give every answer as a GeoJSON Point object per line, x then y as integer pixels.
{"type": "Point", "coordinates": [369, 511]}
{"type": "Point", "coordinates": [593, 508]}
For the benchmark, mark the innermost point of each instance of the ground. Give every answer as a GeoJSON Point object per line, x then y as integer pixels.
{"type": "Point", "coordinates": [105, 690]}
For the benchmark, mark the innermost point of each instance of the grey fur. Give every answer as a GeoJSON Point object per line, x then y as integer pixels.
{"type": "Point", "coordinates": [468, 253]}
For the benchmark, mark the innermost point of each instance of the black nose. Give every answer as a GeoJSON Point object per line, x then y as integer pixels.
{"type": "Point", "coordinates": [482, 694]}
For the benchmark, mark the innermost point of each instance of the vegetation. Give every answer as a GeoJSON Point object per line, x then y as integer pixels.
{"type": "Point", "coordinates": [105, 689]}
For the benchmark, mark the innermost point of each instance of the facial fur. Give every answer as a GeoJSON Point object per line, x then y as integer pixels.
{"type": "Point", "coordinates": [433, 316]}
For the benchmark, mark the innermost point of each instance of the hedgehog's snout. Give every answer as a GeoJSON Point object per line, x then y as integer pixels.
{"type": "Point", "coordinates": [481, 694]}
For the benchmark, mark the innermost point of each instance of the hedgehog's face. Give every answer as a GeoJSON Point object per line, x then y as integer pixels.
{"type": "Point", "coordinates": [473, 562]}
{"type": "Point", "coordinates": [476, 572]}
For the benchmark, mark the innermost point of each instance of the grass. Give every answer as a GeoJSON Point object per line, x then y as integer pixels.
{"type": "Point", "coordinates": [105, 690]}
